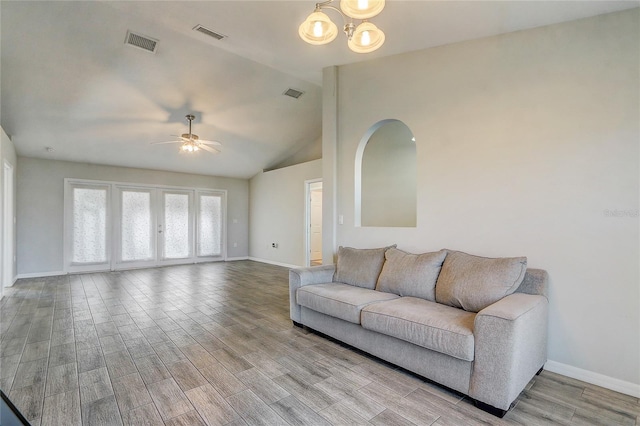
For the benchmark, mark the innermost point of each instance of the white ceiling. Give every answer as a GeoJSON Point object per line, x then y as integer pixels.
{"type": "Point", "coordinates": [70, 83]}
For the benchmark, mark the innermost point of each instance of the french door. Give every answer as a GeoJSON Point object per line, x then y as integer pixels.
{"type": "Point", "coordinates": [118, 226]}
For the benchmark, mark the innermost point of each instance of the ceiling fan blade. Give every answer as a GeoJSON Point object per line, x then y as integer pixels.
{"type": "Point", "coordinates": [180, 137]}
{"type": "Point", "coordinates": [215, 143]}
{"type": "Point", "coordinates": [211, 150]}
{"type": "Point", "coordinates": [160, 143]}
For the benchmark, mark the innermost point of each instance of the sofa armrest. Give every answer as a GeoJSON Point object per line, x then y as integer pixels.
{"type": "Point", "coordinates": [299, 277]}
{"type": "Point", "coordinates": [510, 347]}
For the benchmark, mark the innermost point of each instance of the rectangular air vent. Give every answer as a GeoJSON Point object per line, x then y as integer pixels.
{"type": "Point", "coordinates": [141, 42]}
{"type": "Point", "coordinates": [207, 31]}
{"type": "Point", "coordinates": [294, 93]}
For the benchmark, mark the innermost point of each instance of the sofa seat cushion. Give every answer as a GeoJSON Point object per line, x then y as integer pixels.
{"type": "Point", "coordinates": [339, 300]}
{"type": "Point", "coordinates": [428, 324]}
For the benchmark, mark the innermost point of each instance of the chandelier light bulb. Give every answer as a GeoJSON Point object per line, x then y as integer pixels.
{"type": "Point", "coordinates": [361, 9]}
{"type": "Point", "coordinates": [318, 29]}
{"type": "Point", "coordinates": [366, 38]}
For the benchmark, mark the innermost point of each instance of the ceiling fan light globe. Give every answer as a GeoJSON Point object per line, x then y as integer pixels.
{"type": "Point", "coordinates": [190, 142]}
{"type": "Point", "coordinates": [318, 29]}
{"type": "Point", "coordinates": [361, 9]}
{"type": "Point", "coordinates": [366, 38]}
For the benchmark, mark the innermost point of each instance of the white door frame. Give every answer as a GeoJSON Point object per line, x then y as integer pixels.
{"type": "Point", "coordinates": [307, 219]}
{"type": "Point", "coordinates": [8, 226]}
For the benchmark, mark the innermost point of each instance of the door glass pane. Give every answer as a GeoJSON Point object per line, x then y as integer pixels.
{"type": "Point", "coordinates": [176, 226]}
{"type": "Point", "coordinates": [89, 225]}
{"type": "Point", "coordinates": [210, 226]}
{"type": "Point", "coordinates": [136, 226]}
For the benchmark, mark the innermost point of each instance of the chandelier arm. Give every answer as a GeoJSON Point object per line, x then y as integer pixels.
{"type": "Point", "coordinates": [326, 5]}
{"type": "Point", "coordinates": [349, 26]}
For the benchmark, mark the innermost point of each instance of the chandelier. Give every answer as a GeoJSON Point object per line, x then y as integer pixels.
{"type": "Point", "coordinates": [362, 38]}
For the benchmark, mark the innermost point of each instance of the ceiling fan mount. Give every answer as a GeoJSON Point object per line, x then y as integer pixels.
{"type": "Point", "coordinates": [192, 142]}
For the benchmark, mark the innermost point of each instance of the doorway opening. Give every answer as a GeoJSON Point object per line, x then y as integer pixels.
{"type": "Point", "coordinates": [313, 222]}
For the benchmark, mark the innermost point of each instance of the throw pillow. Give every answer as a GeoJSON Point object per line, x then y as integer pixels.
{"type": "Point", "coordinates": [359, 267]}
{"type": "Point", "coordinates": [413, 275]}
{"type": "Point", "coordinates": [473, 283]}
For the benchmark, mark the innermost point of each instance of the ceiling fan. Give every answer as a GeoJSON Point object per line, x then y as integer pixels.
{"type": "Point", "coordinates": [192, 143]}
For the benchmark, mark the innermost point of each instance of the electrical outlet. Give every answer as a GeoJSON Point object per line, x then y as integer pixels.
{"type": "Point", "coordinates": [274, 245]}
{"type": "Point", "coordinates": [235, 244]}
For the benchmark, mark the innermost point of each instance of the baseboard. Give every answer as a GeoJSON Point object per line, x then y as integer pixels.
{"type": "Point", "coordinates": [234, 259]}
{"type": "Point", "coordinates": [41, 274]}
{"type": "Point", "coordinates": [271, 262]}
{"type": "Point", "coordinates": [13, 281]}
{"type": "Point", "coordinates": [597, 379]}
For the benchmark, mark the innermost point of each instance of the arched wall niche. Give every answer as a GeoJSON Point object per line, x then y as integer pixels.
{"type": "Point", "coordinates": [385, 176]}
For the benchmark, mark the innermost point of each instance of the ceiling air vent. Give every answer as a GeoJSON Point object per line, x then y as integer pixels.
{"type": "Point", "coordinates": [141, 42]}
{"type": "Point", "coordinates": [208, 32]}
{"type": "Point", "coordinates": [294, 93]}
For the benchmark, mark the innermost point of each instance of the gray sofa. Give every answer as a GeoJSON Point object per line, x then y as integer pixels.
{"type": "Point", "coordinates": [475, 325]}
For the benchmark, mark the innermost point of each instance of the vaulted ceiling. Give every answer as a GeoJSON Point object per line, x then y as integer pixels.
{"type": "Point", "coordinates": [69, 82]}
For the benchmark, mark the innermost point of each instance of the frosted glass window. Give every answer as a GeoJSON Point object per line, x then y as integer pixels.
{"type": "Point", "coordinates": [210, 226]}
{"type": "Point", "coordinates": [136, 226]}
{"type": "Point", "coordinates": [176, 226]}
{"type": "Point", "coordinates": [89, 225]}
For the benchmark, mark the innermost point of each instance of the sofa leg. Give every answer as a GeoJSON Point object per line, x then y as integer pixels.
{"type": "Point", "coordinates": [297, 324]}
{"type": "Point", "coordinates": [540, 371]}
{"type": "Point", "coordinates": [491, 409]}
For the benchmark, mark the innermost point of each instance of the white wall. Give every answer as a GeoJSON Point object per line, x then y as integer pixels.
{"type": "Point", "coordinates": [41, 210]}
{"type": "Point", "coordinates": [277, 204]}
{"type": "Point", "coordinates": [8, 154]}
{"type": "Point", "coordinates": [526, 143]}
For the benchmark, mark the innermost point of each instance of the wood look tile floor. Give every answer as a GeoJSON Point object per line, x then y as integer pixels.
{"type": "Point", "coordinates": [212, 344]}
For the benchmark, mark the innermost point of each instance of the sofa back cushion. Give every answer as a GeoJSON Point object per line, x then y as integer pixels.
{"type": "Point", "coordinates": [413, 275]}
{"type": "Point", "coordinates": [473, 283]}
{"type": "Point", "coordinates": [359, 267]}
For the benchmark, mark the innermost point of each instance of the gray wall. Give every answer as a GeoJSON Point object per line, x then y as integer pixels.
{"type": "Point", "coordinates": [41, 211]}
{"type": "Point", "coordinates": [278, 213]}
{"type": "Point", "coordinates": [527, 144]}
